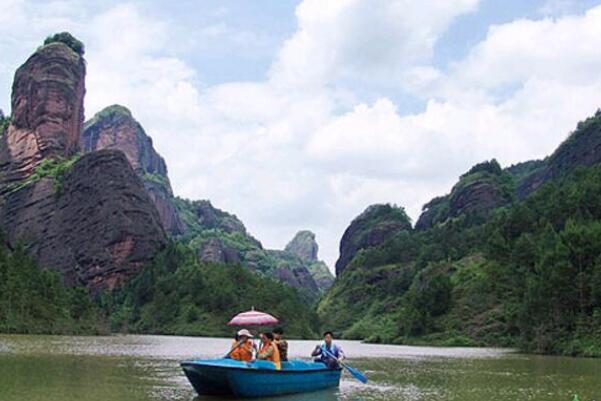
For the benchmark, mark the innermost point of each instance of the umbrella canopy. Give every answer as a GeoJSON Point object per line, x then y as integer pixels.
{"type": "Point", "coordinates": [252, 318]}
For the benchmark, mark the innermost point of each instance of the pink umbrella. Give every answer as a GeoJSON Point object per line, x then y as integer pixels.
{"type": "Point", "coordinates": [252, 318]}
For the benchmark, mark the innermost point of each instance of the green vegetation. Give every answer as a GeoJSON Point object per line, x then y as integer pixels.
{"type": "Point", "coordinates": [158, 179]}
{"type": "Point", "coordinates": [176, 294]}
{"type": "Point", "coordinates": [66, 38]}
{"type": "Point", "coordinates": [319, 270]}
{"type": "Point", "coordinates": [205, 222]}
{"type": "Point", "coordinates": [49, 168]}
{"type": "Point", "coordinates": [108, 112]}
{"type": "Point", "coordinates": [35, 301]}
{"type": "Point", "coordinates": [529, 276]}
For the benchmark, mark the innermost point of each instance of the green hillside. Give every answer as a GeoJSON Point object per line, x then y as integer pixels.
{"type": "Point", "coordinates": [525, 274]}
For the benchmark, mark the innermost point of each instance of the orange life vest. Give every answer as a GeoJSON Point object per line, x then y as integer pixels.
{"type": "Point", "coordinates": [275, 354]}
{"type": "Point", "coordinates": [244, 352]}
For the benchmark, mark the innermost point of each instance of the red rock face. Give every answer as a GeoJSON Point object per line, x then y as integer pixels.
{"type": "Point", "coordinates": [115, 128]}
{"type": "Point", "coordinates": [95, 224]}
{"type": "Point", "coordinates": [97, 230]}
{"type": "Point", "coordinates": [47, 111]}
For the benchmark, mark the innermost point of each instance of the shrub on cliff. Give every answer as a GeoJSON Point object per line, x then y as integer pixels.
{"type": "Point", "coordinates": [65, 37]}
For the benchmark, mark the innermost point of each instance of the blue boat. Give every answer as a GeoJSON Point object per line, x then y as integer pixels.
{"type": "Point", "coordinates": [258, 378]}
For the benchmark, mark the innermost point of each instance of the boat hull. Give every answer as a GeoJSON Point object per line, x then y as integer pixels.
{"type": "Point", "coordinates": [259, 378]}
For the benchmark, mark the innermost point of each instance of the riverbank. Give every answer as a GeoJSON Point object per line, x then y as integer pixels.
{"type": "Point", "coordinates": [578, 346]}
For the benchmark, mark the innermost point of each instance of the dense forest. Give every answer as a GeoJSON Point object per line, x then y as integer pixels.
{"type": "Point", "coordinates": [526, 274]}
{"type": "Point", "coordinates": [175, 294]}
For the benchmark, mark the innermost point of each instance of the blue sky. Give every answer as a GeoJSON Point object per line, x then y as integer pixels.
{"type": "Point", "coordinates": [299, 114]}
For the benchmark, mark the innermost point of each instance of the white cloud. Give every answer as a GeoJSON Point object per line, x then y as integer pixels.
{"type": "Point", "coordinates": [378, 41]}
{"type": "Point", "coordinates": [304, 149]}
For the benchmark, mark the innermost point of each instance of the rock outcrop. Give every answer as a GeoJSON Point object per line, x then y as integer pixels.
{"type": "Point", "coordinates": [212, 218]}
{"type": "Point", "coordinates": [213, 250]}
{"type": "Point", "coordinates": [304, 246]}
{"type": "Point", "coordinates": [432, 212]}
{"type": "Point", "coordinates": [483, 188]}
{"type": "Point", "coordinates": [477, 196]}
{"type": "Point", "coordinates": [298, 277]}
{"type": "Point", "coordinates": [582, 148]}
{"type": "Point", "coordinates": [321, 274]}
{"type": "Point", "coordinates": [47, 112]}
{"type": "Point", "coordinates": [89, 218]}
{"type": "Point", "coordinates": [373, 227]}
{"type": "Point", "coordinates": [115, 128]}
{"type": "Point", "coordinates": [106, 223]}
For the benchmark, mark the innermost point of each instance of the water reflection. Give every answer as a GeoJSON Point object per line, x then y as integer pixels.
{"type": "Point", "coordinates": [132, 368]}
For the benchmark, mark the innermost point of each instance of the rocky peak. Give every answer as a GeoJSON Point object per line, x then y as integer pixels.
{"type": "Point", "coordinates": [47, 111]}
{"type": "Point", "coordinates": [88, 217]}
{"type": "Point", "coordinates": [114, 127]}
{"type": "Point", "coordinates": [581, 148]}
{"type": "Point", "coordinates": [482, 188]}
{"type": "Point", "coordinates": [209, 217]}
{"type": "Point", "coordinates": [304, 246]}
{"type": "Point", "coordinates": [377, 224]}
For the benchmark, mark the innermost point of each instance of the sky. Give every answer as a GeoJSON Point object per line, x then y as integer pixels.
{"type": "Point", "coordinates": [299, 114]}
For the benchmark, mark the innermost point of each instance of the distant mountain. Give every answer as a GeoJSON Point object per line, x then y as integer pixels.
{"type": "Point", "coordinates": [220, 237]}
{"type": "Point", "coordinates": [94, 200]}
{"type": "Point", "coordinates": [89, 210]}
{"type": "Point", "coordinates": [510, 257]}
{"type": "Point", "coordinates": [216, 236]}
{"type": "Point", "coordinates": [304, 246]}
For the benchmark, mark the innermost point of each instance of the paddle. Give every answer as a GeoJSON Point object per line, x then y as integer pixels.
{"type": "Point", "coordinates": [356, 373]}
{"type": "Point", "coordinates": [234, 348]}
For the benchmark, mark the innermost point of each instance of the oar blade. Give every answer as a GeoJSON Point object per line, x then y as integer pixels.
{"type": "Point", "coordinates": [357, 375]}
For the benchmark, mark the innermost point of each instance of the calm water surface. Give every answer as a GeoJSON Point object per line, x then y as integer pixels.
{"type": "Point", "coordinates": [140, 368]}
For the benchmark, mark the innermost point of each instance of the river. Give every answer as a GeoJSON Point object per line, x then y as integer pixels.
{"type": "Point", "coordinates": [140, 368]}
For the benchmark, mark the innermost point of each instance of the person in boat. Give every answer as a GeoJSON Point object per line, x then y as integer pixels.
{"type": "Point", "coordinates": [282, 344]}
{"type": "Point", "coordinates": [327, 352]}
{"type": "Point", "coordinates": [242, 347]}
{"type": "Point", "coordinates": [269, 351]}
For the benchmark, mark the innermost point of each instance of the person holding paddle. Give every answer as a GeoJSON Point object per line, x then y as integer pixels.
{"type": "Point", "coordinates": [242, 347]}
{"type": "Point", "coordinates": [328, 353]}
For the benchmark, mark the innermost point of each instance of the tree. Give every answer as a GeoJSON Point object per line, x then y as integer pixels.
{"type": "Point", "coordinates": [66, 38]}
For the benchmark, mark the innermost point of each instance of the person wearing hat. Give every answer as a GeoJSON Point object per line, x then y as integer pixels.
{"type": "Point", "coordinates": [242, 348]}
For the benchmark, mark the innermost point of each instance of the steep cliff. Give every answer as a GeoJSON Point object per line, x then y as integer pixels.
{"type": "Point", "coordinates": [90, 217]}
{"type": "Point", "coordinates": [304, 246]}
{"type": "Point", "coordinates": [47, 112]}
{"type": "Point", "coordinates": [373, 227]}
{"type": "Point", "coordinates": [115, 128]}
